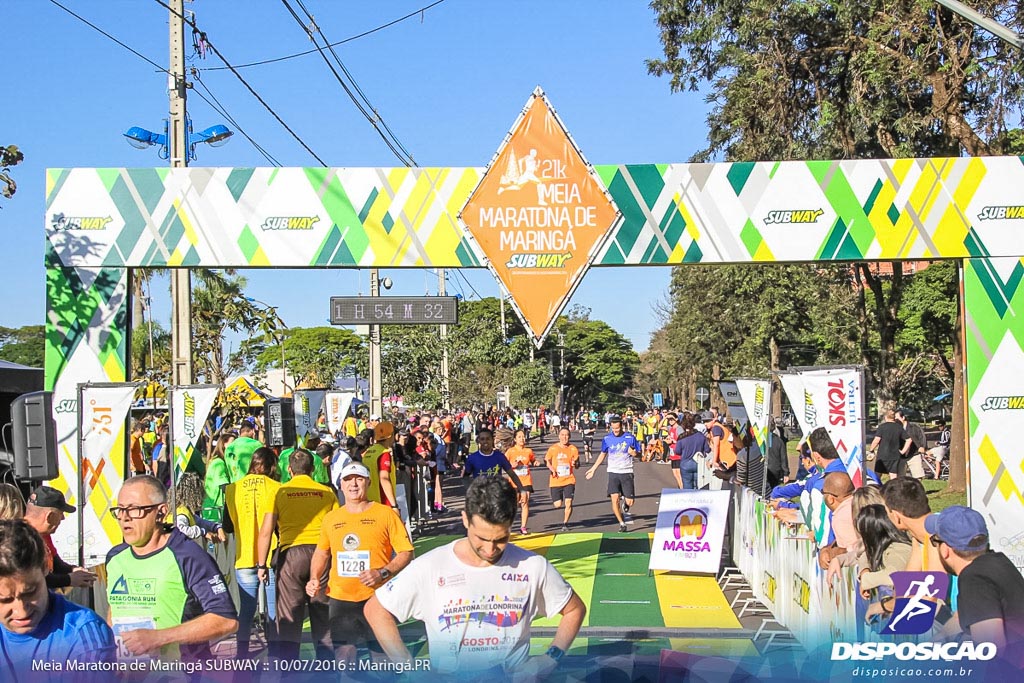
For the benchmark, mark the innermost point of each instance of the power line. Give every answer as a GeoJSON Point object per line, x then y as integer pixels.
{"type": "Point", "coordinates": [358, 89]}
{"type": "Point", "coordinates": [421, 10]}
{"type": "Point", "coordinates": [459, 273]}
{"type": "Point", "coordinates": [213, 48]}
{"type": "Point", "coordinates": [219, 108]}
{"type": "Point", "coordinates": [222, 110]}
{"type": "Point", "coordinates": [392, 143]}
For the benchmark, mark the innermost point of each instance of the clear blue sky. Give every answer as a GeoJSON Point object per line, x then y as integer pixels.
{"type": "Point", "coordinates": [449, 82]}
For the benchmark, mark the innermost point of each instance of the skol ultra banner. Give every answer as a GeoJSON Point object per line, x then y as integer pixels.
{"type": "Point", "coordinates": [833, 401]}
{"type": "Point", "coordinates": [308, 403]}
{"type": "Point", "coordinates": [190, 406]}
{"type": "Point", "coordinates": [691, 525]}
{"type": "Point", "coordinates": [336, 406]}
{"type": "Point", "coordinates": [104, 410]}
{"type": "Point", "coordinates": [540, 215]}
{"type": "Point", "coordinates": [757, 400]}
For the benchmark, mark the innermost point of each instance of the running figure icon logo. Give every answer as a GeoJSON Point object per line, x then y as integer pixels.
{"type": "Point", "coordinates": [917, 595]}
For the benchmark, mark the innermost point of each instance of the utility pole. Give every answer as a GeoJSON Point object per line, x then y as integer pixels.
{"type": "Point", "coordinates": [177, 145]}
{"type": "Point", "coordinates": [561, 373]}
{"type": "Point", "coordinates": [376, 388]}
{"type": "Point", "coordinates": [445, 377]}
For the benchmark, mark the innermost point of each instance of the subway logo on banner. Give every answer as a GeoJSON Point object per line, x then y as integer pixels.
{"type": "Point", "coordinates": [290, 222]}
{"type": "Point", "coordinates": [689, 528]}
{"type": "Point", "coordinates": [190, 414]}
{"type": "Point", "coordinates": [62, 222]}
{"type": "Point", "coordinates": [990, 213]}
{"type": "Point", "coordinates": [802, 216]}
{"type": "Point", "coordinates": [538, 260]}
{"type": "Point", "coordinates": [1003, 403]}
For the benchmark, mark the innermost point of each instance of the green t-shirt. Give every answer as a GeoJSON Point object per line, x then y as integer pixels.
{"type": "Point", "coordinates": [165, 588]}
{"type": "Point", "coordinates": [238, 454]}
{"type": "Point", "coordinates": [216, 479]}
{"type": "Point", "coordinates": [320, 474]}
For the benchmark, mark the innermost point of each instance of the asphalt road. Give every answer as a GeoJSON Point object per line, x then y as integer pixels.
{"type": "Point", "coordinates": [592, 510]}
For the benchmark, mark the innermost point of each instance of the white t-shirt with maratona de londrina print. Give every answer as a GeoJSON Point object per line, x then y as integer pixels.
{"type": "Point", "coordinates": [476, 617]}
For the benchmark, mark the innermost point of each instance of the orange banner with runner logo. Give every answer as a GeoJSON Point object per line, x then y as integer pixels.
{"type": "Point", "coordinates": [540, 215]}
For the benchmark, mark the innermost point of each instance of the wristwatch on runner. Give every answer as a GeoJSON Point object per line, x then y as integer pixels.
{"type": "Point", "coordinates": [556, 653]}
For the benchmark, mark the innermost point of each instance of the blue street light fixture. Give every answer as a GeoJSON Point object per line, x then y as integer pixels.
{"type": "Point", "coordinates": [140, 138]}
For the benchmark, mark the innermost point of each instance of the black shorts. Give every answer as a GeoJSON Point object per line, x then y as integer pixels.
{"type": "Point", "coordinates": [528, 488]}
{"type": "Point", "coordinates": [348, 625]}
{"type": "Point", "coordinates": [621, 484]}
{"type": "Point", "coordinates": [674, 463]}
{"type": "Point", "coordinates": [563, 492]}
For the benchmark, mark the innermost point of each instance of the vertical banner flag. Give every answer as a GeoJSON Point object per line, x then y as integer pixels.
{"type": "Point", "coordinates": [308, 403]}
{"type": "Point", "coordinates": [691, 526]}
{"type": "Point", "coordinates": [757, 400]}
{"type": "Point", "coordinates": [793, 385]}
{"type": "Point", "coordinates": [190, 406]}
{"type": "Point", "coordinates": [734, 402]}
{"type": "Point", "coordinates": [104, 409]}
{"type": "Point", "coordinates": [336, 408]}
{"type": "Point", "coordinates": [835, 395]}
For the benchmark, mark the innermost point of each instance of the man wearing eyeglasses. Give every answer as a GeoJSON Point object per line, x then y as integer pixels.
{"type": "Point", "coordinates": [991, 602]}
{"type": "Point", "coordinates": [167, 598]}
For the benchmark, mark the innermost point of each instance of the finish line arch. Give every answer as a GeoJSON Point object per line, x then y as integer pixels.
{"type": "Point", "coordinates": [101, 222]}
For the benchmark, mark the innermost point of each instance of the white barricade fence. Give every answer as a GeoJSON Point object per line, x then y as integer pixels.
{"type": "Point", "coordinates": [782, 570]}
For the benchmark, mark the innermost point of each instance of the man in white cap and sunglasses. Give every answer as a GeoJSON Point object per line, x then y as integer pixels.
{"type": "Point", "coordinates": [365, 543]}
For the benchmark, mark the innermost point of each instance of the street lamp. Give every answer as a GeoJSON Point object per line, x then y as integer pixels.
{"type": "Point", "coordinates": [215, 136]}
{"type": "Point", "coordinates": [178, 134]}
{"type": "Point", "coordinates": [284, 369]}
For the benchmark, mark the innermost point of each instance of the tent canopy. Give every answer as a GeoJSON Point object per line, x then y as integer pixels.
{"type": "Point", "coordinates": [19, 379]}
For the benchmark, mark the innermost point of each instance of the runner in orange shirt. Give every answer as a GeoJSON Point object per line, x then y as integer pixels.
{"type": "Point", "coordinates": [521, 458]}
{"type": "Point", "coordinates": [562, 459]}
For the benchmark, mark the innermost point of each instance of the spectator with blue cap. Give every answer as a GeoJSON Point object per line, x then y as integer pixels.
{"type": "Point", "coordinates": [991, 602]}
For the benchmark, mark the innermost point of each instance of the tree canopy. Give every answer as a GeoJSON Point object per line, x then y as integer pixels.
{"type": "Point", "coordinates": [23, 345]}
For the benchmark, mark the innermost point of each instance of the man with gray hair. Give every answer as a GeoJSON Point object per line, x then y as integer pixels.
{"type": "Point", "coordinates": [167, 597]}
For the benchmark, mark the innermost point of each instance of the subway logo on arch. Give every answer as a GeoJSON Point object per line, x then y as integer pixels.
{"type": "Point", "coordinates": [689, 528]}
{"type": "Point", "coordinates": [290, 222]}
{"type": "Point", "coordinates": [990, 213]}
{"type": "Point", "coordinates": [1003, 403]}
{"type": "Point", "coordinates": [794, 216]}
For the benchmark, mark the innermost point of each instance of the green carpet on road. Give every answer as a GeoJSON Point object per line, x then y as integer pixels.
{"type": "Point", "coordinates": [624, 593]}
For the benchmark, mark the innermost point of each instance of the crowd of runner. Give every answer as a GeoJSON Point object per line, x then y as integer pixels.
{"type": "Point", "coordinates": [316, 531]}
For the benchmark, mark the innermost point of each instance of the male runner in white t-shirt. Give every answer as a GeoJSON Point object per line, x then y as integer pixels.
{"type": "Point", "coordinates": [478, 596]}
